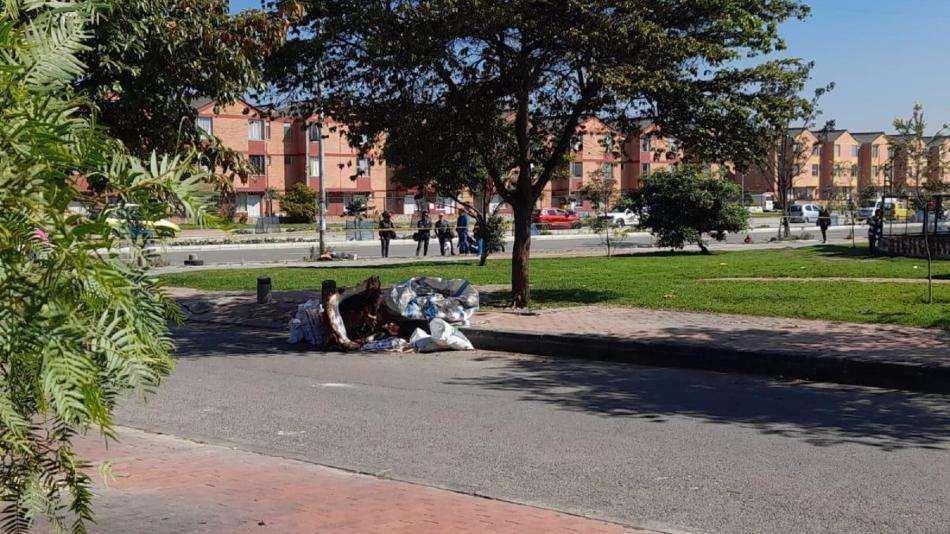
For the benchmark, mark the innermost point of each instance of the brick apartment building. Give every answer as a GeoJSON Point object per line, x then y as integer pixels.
{"type": "Point", "coordinates": [843, 163]}
{"type": "Point", "coordinates": [284, 151]}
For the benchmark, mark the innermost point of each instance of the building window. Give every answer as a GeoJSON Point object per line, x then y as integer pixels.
{"type": "Point", "coordinates": [854, 171]}
{"type": "Point", "coordinates": [874, 170]}
{"type": "Point", "coordinates": [875, 151]}
{"type": "Point", "coordinates": [316, 133]}
{"type": "Point", "coordinates": [673, 146]}
{"type": "Point", "coordinates": [796, 170]}
{"type": "Point", "coordinates": [816, 150]}
{"type": "Point", "coordinates": [645, 169]}
{"type": "Point", "coordinates": [288, 132]}
{"type": "Point", "coordinates": [206, 124]}
{"type": "Point", "coordinates": [288, 160]}
{"type": "Point", "coordinates": [362, 167]}
{"type": "Point", "coordinates": [607, 169]}
{"type": "Point", "coordinates": [837, 151]}
{"type": "Point", "coordinates": [890, 152]}
{"type": "Point", "coordinates": [645, 144]}
{"type": "Point", "coordinates": [814, 169]}
{"type": "Point", "coordinates": [577, 143]}
{"type": "Point", "coordinates": [258, 130]}
{"type": "Point", "coordinates": [854, 150]}
{"type": "Point", "coordinates": [314, 166]}
{"type": "Point", "coordinates": [577, 169]}
{"type": "Point", "coordinates": [257, 164]}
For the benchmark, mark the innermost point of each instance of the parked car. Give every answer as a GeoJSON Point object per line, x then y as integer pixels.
{"type": "Point", "coordinates": [627, 217]}
{"type": "Point", "coordinates": [556, 218]}
{"type": "Point", "coordinates": [895, 209]}
{"type": "Point", "coordinates": [803, 213]}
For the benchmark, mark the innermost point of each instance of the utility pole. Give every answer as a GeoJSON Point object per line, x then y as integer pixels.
{"type": "Point", "coordinates": [322, 196]}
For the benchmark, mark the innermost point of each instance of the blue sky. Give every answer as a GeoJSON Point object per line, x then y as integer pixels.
{"type": "Point", "coordinates": [883, 55]}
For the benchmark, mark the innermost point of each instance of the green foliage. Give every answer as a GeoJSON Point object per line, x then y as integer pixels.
{"type": "Point", "coordinates": [681, 205]}
{"type": "Point", "coordinates": [78, 327]}
{"type": "Point", "coordinates": [300, 203]}
{"type": "Point", "coordinates": [517, 78]}
{"type": "Point", "coordinates": [148, 60]}
{"type": "Point", "coordinates": [603, 192]}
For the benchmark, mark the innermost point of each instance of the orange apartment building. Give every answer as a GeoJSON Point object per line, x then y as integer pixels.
{"type": "Point", "coordinates": [597, 147]}
{"type": "Point", "coordinates": [283, 151]}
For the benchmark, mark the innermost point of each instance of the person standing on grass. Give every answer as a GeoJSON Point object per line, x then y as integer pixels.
{"type": "Point", "coordinates": [824, 221]}
{"type": "Point", "coordinates": [875, 230]}
{"type": "Point", "coordinates": [387, 231]}
{"type": "Point", "coordinates": [424, 226]}
{"type": "Point", "coordinates": [444, 233]}
{"type": "Point", "coordinates": [461, 229]}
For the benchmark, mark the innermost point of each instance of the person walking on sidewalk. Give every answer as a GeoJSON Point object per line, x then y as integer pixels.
{"type": "Point", "coordinates": [424, 226]}
{"type": "Point", "coordinates": [461, 228]}
{"type": "Point", "coordinates": [824, 221]}
{"type": "Point", "coordinates": [875, 230]}
{"type": "Point", "coordinates": [387, 232]}
{"type": "Point", "coordinates": [444, 233]}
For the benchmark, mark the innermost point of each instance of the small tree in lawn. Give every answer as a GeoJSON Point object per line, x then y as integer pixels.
{"type": "Point", "coordinates": [682, 205]}
{"type": "Point", "coordinates": [300, 203]}
{"type": "Point", "coordinates": [603, 193]}
{"type": "Point", "coordinates": [922, 174]}
{"type": "Point", "coordinates": [786, 154]}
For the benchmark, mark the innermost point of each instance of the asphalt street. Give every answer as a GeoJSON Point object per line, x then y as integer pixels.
{"type": "Point", "coordinates": [673, 450]}
{"type": "Point", "coordinates": [407, 248]}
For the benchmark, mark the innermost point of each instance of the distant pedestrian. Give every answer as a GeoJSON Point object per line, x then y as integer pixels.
{"type": "Point", "coordinates": [461, 228]}
{"type": "Point", "coordinates": [824, 221]}
{"type": "Point", "coordinates": [423, 228]}
{"type": "Point", "coordinates": [444, 233]}
{"type": "Point", "coordinates": [387, 231]}
{"type": "Point", "coordinates": [875, 231]}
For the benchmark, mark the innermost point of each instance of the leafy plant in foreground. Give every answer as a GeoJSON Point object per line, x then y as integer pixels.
{"type": "Point", "coordinates": [79, 325]}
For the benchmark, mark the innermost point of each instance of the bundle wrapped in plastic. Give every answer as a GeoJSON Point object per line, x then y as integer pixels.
{"type": "Point", "coordinates": [427, 298]}
{"type": "Point", "coordinates": [306, 325]}
{"type": "Point", "coordinates": [444, 337]}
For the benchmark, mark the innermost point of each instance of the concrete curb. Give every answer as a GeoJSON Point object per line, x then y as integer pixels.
{"type": "Point", "coordinates": [822, 367]}
{"type": "Point", "coordinates": [818, 366]}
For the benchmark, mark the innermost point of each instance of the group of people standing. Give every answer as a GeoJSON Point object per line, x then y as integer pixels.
{"type": "Point", "coordinates": [424, 227]}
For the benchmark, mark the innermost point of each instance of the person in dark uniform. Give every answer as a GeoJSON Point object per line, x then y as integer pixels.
{"type": "Point", "coordinates": [875, 231]}
{"type": "Point", "coordinates": [387, 231]}
{"type": "Point", "coordinates": [424, 227]}
{"type": "Point", "coordinates": [444, 233]}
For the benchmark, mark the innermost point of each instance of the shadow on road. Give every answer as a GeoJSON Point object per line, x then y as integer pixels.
{"type": "Point", "coordinates": [819, 414]}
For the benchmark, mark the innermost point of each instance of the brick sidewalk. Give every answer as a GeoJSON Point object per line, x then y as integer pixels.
{"type": "Point", "coordinates": [870, 341]}
{"type": "Point", "coordinates": [165, 484]}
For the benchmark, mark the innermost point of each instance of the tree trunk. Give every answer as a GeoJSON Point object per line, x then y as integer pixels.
{"type": "Point", "coordinates": [702, 248]}
{"type": "Point", "coordinates": [930, 276]}
{"type": "Point", "coordinates": [520, 254]}
{"type": "Point", "coordinates": [483, 224]}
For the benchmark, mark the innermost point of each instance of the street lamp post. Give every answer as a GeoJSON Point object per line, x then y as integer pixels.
{"type": "Point", "coordinates": [322, 196]}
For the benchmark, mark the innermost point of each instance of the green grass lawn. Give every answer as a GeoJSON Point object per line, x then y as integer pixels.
{"type": "Point", "coordinates": [670, 281]}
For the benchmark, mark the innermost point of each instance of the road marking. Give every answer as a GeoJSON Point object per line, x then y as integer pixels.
{"type": "Point", "coordinates": [332, 385]}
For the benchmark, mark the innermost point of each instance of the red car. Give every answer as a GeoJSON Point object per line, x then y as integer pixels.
{"type": "Point", "coordinates": [555, 218]}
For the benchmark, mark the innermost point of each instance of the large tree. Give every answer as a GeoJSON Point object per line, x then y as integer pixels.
{"type": "Point", "coordinates": [519, 77]}
{"type": "Point", "coordinates": [148, 61]}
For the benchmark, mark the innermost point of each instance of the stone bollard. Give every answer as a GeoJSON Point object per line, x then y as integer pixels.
{"type": "Point", "coordinates": [193, 260]}
{"type": "Point", "coordinates": [263, 290]}
{"type": "Point", "coordinates": [326, 289]}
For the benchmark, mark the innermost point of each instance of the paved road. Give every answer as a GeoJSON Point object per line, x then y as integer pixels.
{"type": "Point", "coordinates": [667, 449]}
{"type": "Point", "coordinates": [406, 248]}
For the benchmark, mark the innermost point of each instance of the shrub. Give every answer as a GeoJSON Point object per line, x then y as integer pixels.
{"type": "Point", "coordinates": [300, 203]}
{"type": "Point", "coordinates": [682, 205]}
